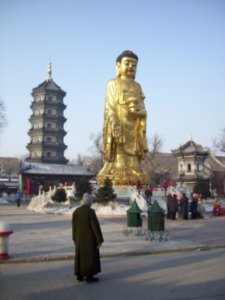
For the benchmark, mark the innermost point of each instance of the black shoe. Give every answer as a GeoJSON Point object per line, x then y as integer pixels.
{"type": "Point", "coordinates": [80, 278]}
{"type": "Point", "coordinates": [91, 279]}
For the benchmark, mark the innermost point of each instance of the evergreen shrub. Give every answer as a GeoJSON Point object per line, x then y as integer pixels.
{"type": "Point", "coordinates": [105, 194]}
{"type": "Point", "coordinates": [60, 195]}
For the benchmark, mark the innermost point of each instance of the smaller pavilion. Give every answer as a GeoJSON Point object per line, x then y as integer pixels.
{"type": "Point", "coordinates": [192, 169]}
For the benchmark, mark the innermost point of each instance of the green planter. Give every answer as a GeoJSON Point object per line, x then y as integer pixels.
{"type": "Point", "coordinates": [134, 216]}
{"type": "Point", "coordinates": [156, 218]}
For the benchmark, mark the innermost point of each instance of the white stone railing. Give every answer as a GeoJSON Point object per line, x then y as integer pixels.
{"type": "Point", "coordinates": [134, 195]}
{"type": "Point", "coordinates": [141, 201]}
{"type": "Point", "coordinates": [39, 201]}
{"type": "Point", "coordinates": [46, 197]}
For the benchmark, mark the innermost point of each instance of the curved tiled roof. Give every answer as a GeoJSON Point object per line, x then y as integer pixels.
{"type": "Point", "coordinates": [48, 85]}
{"type": "Point", "coordinates": [191, 148]}
{"type": "Point", "coordinates": [53, 169]}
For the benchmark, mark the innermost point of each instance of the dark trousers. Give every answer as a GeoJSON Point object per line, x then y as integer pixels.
{"type": "Point", "coordinates": [171, 215]}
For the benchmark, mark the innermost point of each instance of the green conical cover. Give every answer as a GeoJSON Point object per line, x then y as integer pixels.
{"type": "Point", "coordinates": [134, 208]}
{"type": "Point", "coordinates": [155, 208]}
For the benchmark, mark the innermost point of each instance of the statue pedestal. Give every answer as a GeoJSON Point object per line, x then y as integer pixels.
{"type": "Point", "coordinates": [122, 192]}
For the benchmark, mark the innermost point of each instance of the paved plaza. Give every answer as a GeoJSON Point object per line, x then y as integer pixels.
{"type": "Point", "coordinates": [41, 259]}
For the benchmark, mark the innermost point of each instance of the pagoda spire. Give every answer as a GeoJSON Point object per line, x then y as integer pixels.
{"type": "Point", "coordinates": [49, 74]}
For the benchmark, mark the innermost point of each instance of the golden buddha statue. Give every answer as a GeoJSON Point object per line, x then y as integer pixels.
{"type": "Point", "coordinates": [124, 131]}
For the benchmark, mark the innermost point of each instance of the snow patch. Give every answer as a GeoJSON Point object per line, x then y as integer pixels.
{"type": "Point", "coordinates": [3, 201]}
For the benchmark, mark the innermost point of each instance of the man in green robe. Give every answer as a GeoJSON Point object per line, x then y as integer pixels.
{"type": "Point", "coordinates": [87, 237]}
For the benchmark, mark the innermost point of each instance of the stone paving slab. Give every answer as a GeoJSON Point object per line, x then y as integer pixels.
{"type": "Point", "coordinates": [41, 237]}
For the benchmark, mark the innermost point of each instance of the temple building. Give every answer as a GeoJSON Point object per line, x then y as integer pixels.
{"type": "Point", "coordinates": [198, 165]}
{"type": "Point", "coordinates": [46, 164]}
{"type": "Point", "coordinates": [191, 159]}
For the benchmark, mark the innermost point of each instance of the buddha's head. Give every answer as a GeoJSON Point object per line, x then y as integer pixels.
{"type": "Point", "coordinates": [126, 64]}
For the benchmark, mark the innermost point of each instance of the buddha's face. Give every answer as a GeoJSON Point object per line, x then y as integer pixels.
{"type": "Point", "coordinates": [127, 67]}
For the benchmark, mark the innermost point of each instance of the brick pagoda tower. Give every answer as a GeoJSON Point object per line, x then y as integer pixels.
{"type": "Point", "coordinates": [47, 123]}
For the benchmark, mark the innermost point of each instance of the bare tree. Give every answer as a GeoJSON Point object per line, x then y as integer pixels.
{"type": "Point", "coordinates": [160, 167]}
{"type": "Point", "coordinates": [220, 143]}
{"type": "Point", "coordinates": [79, 160]}
{"type": "Point", "coordinates": [94, 162]}
{"type": "Point", "coordinates": [155, 145]}
{"type": "Point", "coordinates": [96, 146]}
{"type": "Point", "coordinates": [2, 114]}
{"type": "Point", "coordinates": [9, 167]}
{"type": "Point", "coordinates": [150, 164]}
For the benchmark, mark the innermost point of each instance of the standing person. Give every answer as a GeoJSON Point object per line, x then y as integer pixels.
{"type": "Point", "coordinates": [138, 186]}
{"type": "Point", "coordinates": [184, 205]}
{"type": "Point", "coordinates": [148, 195]}
{"type": "Point", "coordinates": [200, 208]}
{"type": "Point", "coordinates": [194, 206]}
{"type": "Point", "coordinates": [169, 200]}
{"type": "Point", "coordinates": [87, 237]}
{"type": "Point", "coordinates": [18, 198]}
{"type": "Point", "coordinates": [216, 208]}
{"type": "Point", "coordinates": [172, 206]}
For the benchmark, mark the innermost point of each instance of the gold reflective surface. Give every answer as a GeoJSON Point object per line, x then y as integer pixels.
{"type": "Point", "coordinates": [124, 130]}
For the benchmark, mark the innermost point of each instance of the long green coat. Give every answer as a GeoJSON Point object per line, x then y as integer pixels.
{"type": "Point", "coordinates": [87, 236]}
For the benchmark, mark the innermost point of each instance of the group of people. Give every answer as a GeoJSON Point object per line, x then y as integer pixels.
{"type": "Point", "coordinates": [182, 207]}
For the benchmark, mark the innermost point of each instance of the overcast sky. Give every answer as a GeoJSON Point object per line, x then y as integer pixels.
{"type": "Point", "coordinates": [181, 49]}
